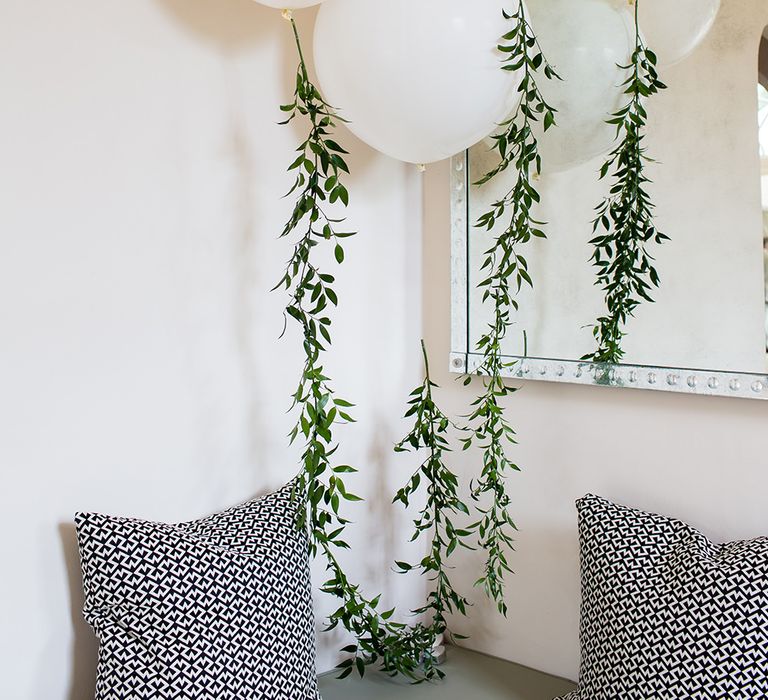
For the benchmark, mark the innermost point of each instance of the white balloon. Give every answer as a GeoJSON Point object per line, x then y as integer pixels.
{"type": "Point", "coordinates": [585, 42]}
{"type": "Point", "coordinates": [419, 80]}
{"type": "Point", "coordinates": [289, 4]}
{"type": "Point", "coordinates": [674, 28]}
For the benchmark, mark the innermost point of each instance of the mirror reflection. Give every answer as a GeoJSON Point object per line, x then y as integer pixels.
{"type": "Point", "coordinates": [710, 187]}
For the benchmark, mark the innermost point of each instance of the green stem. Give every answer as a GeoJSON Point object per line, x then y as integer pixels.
{"type": "Point", "coordinates": [302, 63]}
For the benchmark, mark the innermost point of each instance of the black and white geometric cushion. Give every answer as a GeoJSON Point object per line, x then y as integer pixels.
{"type": "Point", "coordinates": [666, 614]}
{"type": "Point", "coordinates": [215, 609]}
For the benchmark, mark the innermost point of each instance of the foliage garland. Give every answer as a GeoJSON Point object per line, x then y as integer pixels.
{"type": "Point", "coordinates": [506, 272]}
{"type": "Point", "coordinates": [625, 269]}
{"type": "Point", "coordinates": [320, 487]}
{"type": "Point", "coordinates": [430, 433]}
{"type": "Point", "coordinates": [318, 169]}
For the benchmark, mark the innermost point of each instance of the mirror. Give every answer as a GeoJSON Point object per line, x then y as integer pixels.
{"type": "Point", "coordinates": [707, 330]}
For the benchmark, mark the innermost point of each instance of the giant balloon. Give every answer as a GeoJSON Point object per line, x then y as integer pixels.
{"type": "Point", "coordinates": [289, 4]}
{"type": "Point", "coordinates": [674, 28]}
{"type": "Point", "coordinates": [419, 80]}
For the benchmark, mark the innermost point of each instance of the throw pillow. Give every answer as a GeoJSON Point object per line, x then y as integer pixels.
{"type": "Point", "coordinates": [214, 609]}
{"type": "Point", "coordinates": [666, 614]}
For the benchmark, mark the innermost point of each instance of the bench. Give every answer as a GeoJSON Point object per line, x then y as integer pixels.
{"type": "Point", "coordinates": [470, 676]}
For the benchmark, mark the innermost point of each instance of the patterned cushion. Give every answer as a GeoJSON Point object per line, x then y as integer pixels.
{"type": "Point", "coordinates": [666, 614]}
{"type": "Point", "coordinates": [215, 609]}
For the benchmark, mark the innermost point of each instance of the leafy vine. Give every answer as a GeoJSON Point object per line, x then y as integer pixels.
{"type": "Point", "coordinates": [318, 167]}
{"type": "Point", "coordinates": [506, 272]}
{"type": "Point", "coordinates": [624, 219]}
{"type": "Point", "coordinates": [320, 488]}
{"type": "Point", "coordinates": [430, 433]}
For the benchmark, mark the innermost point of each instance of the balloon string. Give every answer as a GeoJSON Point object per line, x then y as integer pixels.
{"type": "Point", "coordinates": [287, 14]}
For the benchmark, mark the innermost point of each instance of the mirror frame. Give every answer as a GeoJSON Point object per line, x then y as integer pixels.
{"type": "Point", "coordinates": [465, 360]}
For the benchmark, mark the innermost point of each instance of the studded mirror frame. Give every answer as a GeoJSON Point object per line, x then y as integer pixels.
{"type": "Point", "coordinates": [464, 359]}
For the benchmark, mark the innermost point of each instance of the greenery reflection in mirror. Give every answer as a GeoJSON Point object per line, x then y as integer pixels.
{"type": "Point", "coordinates": [707, 331]}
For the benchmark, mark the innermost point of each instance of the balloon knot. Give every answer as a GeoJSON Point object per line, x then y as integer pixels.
{"type": "Point", "coordinates": [421, 167]}
{"type": "Point", "coordinates": [287, 14]}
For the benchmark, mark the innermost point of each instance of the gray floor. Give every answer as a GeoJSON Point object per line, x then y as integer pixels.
{"type": "Point", "coordinates": [470, 676]}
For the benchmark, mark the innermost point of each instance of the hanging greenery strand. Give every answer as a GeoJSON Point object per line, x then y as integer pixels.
{"type": "Point", "coordinates": [320, 488]}
{"type": "Point", "coordinates": [318, 168]}
{"type": "Point", "coordinates": [506, 271]}
{"type": "Point", "coordinates": [624, 219]}
{"type": "Point", "coordinates": [430, 433]}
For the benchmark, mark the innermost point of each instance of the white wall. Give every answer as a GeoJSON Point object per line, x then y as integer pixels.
{"type": "Point", "coordinates": [697, 458]}
{"type": "Point", "coordinates": [140, 371]}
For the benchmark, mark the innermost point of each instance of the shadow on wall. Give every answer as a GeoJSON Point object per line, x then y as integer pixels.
{"type": "Point", "coordinates": [84, 643]}
{"type": "Point", "coordinates": [381, 524]}
{"type": "Point", "coordinates": [231, 28]}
